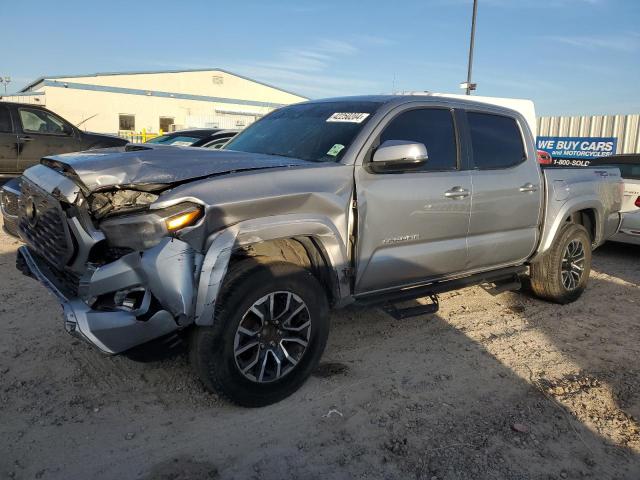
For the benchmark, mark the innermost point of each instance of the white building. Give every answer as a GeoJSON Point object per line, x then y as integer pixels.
{"type": "Point", "coordinates": [154, 101]}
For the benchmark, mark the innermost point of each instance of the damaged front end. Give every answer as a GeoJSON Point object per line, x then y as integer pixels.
{"type": "Point", "coordinates": [114, 263]}
{"type": "Point", "coordinates": [103, 204]}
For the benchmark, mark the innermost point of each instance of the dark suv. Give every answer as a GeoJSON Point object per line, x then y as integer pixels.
{"type": "Point", "coordinates": [30, 132]}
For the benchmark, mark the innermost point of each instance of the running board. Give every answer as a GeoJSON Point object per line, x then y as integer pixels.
{"type": "Point", "coordinates": [501, 286]}
{"type": "Point", "coordinates": [406, 294]}
{"type": "Point", "coordinates": [408, 312]}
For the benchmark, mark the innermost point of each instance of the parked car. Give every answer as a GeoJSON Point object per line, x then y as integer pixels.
{"type": "Point", "coordinates": [197, 137]}
{"type": "Point", "coordinates": [371, 200]}
{"type": "Point", "coordinates": [544, 158]}
{"type": "Point", "coordinates": [220, 139]}
{"type": "Point", "coordinates": [30, 132]}
{"type": "Point", "coordinates": [629, 166]}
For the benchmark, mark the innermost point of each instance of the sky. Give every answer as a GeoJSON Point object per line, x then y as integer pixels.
{"type": "Point", "coordinates": [570, 56]}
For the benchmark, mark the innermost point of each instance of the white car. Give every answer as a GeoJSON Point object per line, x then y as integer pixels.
{"type": "Point", "coordinates": [629, 166]}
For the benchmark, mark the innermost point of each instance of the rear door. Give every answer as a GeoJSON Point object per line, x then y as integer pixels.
{"type": "Point", "coordinates": [410, 228]}
{"type": "Point", "coordinates": [507, 191]}
{"type": "Point", "coordinates": [43, 133]}
{"type": "Point", "coordinates": [8, 142]}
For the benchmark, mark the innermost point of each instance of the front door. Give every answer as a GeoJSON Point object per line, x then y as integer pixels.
{"type": "Point", "coordinates": [8, 142]}
{"type": "Point", "coordinates": [43, 134]}
{"type": "Point", "coordinates": [413, 225]}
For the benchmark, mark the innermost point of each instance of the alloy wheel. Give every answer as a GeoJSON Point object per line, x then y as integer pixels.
{"type": "Point", "coordinates": [573, 265]}
{"type": "Point", "coordinates": [272, 337]}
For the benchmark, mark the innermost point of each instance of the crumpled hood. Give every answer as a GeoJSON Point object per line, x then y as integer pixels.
{"type": "Point", "coordinates": [138, 165]}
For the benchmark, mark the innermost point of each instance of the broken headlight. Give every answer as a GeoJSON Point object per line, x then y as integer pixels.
{"type": "Point", "coordinates": [144, 231]}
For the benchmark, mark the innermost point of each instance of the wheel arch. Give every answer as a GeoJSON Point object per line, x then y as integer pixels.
{"type": "Point", "coordinates": [588, 219]}
{"type": "Point", "coordinates": [588, 213]}
{"type": "Point", "coordinates": [304, 251]}
{"type": "Point", "coordinates": [312, 242]}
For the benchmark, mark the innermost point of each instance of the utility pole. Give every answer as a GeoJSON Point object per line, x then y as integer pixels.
{"type": "Point", "coordinates": [468, 85]}
{"type": "Point", "coordinates": [5, 81]}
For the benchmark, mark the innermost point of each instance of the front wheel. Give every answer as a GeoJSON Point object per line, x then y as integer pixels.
{"type": "Point", "coordinates": [562, 274]}
{"type": "Point", "coordinates": [270, 329]}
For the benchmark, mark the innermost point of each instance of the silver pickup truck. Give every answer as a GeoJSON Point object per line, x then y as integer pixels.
{"type": "Point", "coordinates": [376, 200]}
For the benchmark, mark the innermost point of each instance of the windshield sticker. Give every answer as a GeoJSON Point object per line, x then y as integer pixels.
{"type": "Point", "coordinates": [348, 117]}
{"type": "Point", "coordinates": [182, 143]}
{"type": "Point", "coordinates": [335, 150]}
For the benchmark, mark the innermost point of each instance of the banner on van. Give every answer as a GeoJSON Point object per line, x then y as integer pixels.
{"type": "Point", "coordinates": [577, 151]}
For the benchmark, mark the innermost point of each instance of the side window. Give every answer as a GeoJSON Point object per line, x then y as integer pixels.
{"type": "Point", "coordinates": [496, 141]}
{"type": "Point", "coordinates": [5, 120]}
{"type": "Point", "coordinates": [431, 126]}
{"type": "Point", "coordinates": [39, 121]}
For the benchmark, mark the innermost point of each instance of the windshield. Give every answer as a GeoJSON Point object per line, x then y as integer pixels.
{"type": "Point", "coordinates": [316, 132]}
{"type": "Point", "coordinates": [182, 140]}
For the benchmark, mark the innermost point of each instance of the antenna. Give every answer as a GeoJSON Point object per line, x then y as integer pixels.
{"type": "Point", "coordinates": [86, 120]}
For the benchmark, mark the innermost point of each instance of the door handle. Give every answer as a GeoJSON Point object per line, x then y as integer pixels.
{"type": "Point", "coordinates": [25, 138]}
{"type": "Point", "coordinates": [456, 193]}
{"type": "Point", "coordinates": [528, 187]}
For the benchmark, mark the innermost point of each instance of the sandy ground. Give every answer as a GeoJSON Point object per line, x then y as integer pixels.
{"type": "Point", "coordinates": [491, 387]}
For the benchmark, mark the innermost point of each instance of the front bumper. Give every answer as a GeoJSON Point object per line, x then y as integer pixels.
{"type": "Point", "coordinates": [115, 299]}
{"type": "Point", "coordinates": [112, 331]}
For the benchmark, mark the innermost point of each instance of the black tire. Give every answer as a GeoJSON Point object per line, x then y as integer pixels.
{"type": "Point", "coordinates": [212, 351]}
{"type": "Point", "coordinates": [547, 278]}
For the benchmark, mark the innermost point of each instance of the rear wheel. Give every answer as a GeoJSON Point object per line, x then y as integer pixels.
{"type": "Point", "coordinates": [269, 332]}
{"type": "Point", "coordinates": [562, 274]}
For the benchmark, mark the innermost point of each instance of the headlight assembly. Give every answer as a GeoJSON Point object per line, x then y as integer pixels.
{"type": "Point", "coordinates": [143, 231]}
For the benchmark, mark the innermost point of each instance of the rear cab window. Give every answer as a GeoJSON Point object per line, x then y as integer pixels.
{"type": "Point", "coordinates": [496, 141]}
{"type": "Point", "coordinates": [627, 171]}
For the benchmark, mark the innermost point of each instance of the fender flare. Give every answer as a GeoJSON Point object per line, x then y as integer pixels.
{"type": "Point", "coordinates": [224, 243]}
{"type": "Point", "coordinates": [575, 205]}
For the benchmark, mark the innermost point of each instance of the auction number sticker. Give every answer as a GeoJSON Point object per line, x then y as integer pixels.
{"type": "Point", "coordinates": [348, 117]}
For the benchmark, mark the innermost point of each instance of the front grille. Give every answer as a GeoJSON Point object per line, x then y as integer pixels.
{"type": "Point", "coordinates": [44, 226]}
{"type": "Point", "coordinates": [11, 225]}
{"type": "Point", "coordinates": [9, 203]}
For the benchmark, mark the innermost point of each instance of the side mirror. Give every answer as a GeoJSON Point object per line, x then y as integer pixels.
{"type": "Point", "coordinates": [67, 129]}
{"type": "Point", "coordinates": [398, 156]}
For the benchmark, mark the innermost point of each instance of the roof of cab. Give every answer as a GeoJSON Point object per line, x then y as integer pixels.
{"type": "Point", "coordinates": [524, 107]}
